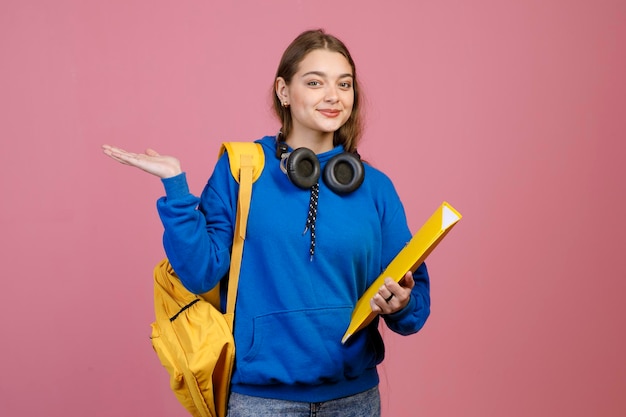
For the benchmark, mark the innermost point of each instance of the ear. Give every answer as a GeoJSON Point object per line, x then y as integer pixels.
{"type": "Point", "coordinates": [282, 90]}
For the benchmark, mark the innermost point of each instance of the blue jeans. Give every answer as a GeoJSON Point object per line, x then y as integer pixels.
{"type": "Point", "coordinates": [365, 404]}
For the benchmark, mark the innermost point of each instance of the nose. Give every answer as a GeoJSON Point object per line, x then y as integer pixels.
{"type": "Point", "coordinates": [331, 94]}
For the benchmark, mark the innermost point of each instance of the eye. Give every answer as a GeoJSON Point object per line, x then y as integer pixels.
{"type": "Point", "coordinates": [345, 85]}
{"type": "Point", "coordinates": [314, 83]}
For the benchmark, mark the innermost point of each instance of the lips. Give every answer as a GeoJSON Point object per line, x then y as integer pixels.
{"type": "Point", "coordinates": [329, 112]}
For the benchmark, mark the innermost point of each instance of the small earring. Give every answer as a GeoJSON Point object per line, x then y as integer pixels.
{"type": "Point", "coordinates": [285, 104]}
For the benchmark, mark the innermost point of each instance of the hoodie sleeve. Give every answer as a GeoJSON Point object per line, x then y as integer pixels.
{"type": "Point", "coordinates": [396, 235]}
{"type": "Point", "coordinates": [412, 318]}
{"type": "Point", "coordinates": [198, 231]}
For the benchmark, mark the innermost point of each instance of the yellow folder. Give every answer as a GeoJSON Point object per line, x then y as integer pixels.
{"type": "Point", "coordinates": [409, 258]}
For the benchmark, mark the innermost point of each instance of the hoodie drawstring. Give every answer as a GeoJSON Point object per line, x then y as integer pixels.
{"type": "Point", "coordinates": [312, 217]}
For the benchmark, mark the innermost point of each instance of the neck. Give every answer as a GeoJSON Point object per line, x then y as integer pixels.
{"type": "Point", "coordinates": [318, 142]}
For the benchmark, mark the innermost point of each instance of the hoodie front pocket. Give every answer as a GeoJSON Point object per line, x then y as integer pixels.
{"type": "Point", "coordinates": [296, 347]}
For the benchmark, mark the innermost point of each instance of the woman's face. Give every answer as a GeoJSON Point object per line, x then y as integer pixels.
{"type": "Point", "coordinates": [320, 95]}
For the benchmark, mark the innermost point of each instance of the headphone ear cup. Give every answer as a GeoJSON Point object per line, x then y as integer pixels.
{"type": "Point", "coordinates": [344, 173]}
{"type": "Point", "coordinates": [303, 168]}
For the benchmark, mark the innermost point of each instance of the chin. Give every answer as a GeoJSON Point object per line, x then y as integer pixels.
{"type": "Point", "coordinates": [330, 129]}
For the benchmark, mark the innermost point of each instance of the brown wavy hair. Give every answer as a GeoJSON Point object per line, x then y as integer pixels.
{"type": "Point", "coordinates": [350, 133]}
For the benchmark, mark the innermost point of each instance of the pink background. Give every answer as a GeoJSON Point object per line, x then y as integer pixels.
{"type": "Point", "coordinates": [513, 111]}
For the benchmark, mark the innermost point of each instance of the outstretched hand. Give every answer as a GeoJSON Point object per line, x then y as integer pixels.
{"type": "Point", "coordinates": [162, 166]}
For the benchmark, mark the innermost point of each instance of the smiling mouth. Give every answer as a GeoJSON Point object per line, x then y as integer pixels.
{"type": "Point", "coordinates": [330, 113]}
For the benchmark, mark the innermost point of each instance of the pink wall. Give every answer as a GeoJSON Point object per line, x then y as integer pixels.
{"type": "Point", "coordinates": [512, 111]}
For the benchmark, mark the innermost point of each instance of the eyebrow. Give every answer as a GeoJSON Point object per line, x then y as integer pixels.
{"type": "Point", "coordinates": [323, 75]}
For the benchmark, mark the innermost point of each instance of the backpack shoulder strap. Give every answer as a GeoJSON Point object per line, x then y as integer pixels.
{"type": "Point", "coordinates": [246, 164]}
{"type": "Point", "coordinates": [236, 149]}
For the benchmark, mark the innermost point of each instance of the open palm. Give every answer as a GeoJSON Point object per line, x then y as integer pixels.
{"type": "Point", "coordinates": [151, 161]}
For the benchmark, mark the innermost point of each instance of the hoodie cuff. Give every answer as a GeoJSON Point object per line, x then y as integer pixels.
{"type": "Point", "coordinates": [400, 314]}
{"type": "Point", "coordinates": [176, 186]}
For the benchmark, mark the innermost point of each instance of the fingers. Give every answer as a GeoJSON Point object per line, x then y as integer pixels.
{"type": "Point", "coordinates": [385, 292]}
{"type": "Point", "coordinates": [393, 296]}
{"type": "Point", "coordinates": [108, 149]}
{"type": "Point", "coordinates": [118, 154]}
{"type": "Point", "coordinates": [125, 157]}
{"type": "Point", "coordinates": [385, 302]}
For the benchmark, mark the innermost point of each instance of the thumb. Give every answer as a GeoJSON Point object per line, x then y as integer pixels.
{"type": "Point", "coordinates": [408, 281]}
{"type": "Point", "coordinates": [152, 152]}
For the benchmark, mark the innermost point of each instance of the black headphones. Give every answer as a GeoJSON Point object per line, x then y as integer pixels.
{"type": "Point", "coordinates": [343, 173]}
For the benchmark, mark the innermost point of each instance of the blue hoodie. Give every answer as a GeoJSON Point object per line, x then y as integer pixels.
{"type": "Point", "coordinates": [292, 310]}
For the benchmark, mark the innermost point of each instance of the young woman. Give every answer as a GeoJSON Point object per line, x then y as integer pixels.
{"type": "Point", "coordinates": [297, 290]}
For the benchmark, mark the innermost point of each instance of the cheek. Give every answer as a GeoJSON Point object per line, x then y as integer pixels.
{"type": "Point", "coordinates": [348, 114]}
{"type": "Point", "coordinates": [348, 101]}
{"type": "Point", "coordinates": [348, 104]}
{"type": "Point", "coordinates": [304, 101]}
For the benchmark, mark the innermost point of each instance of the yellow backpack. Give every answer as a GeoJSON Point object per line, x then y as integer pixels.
{"type": "Point", "coordinates": [191, 336]}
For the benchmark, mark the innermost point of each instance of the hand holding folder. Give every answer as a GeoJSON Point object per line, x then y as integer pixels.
{"type": "Point", "coordinates": [408, 259]}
